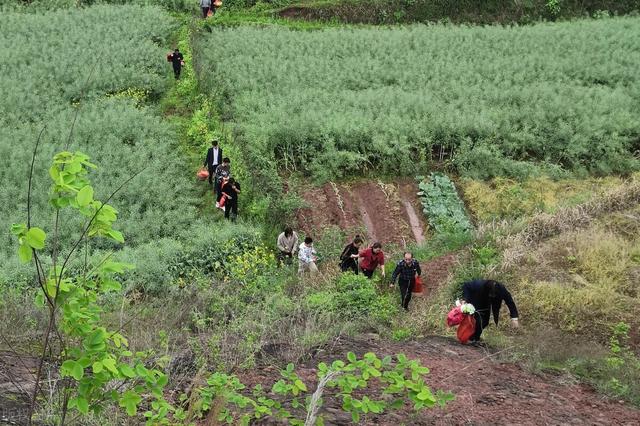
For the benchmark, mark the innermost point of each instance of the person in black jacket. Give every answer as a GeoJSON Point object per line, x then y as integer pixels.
{"type": "Point", "coordinates": [212, 161]}
{"type": "Point", "coordinates": [223, 171]}
{"type": "Point", "coordinates": [231, 191]}
{"type": "Point", "coordinates": [407, 269]}
{"type": "Point", "coordinates": [349, 256]}
{"type": "Point", "coordinates": [487, 296]}
{"type": "Point", "coordinates": [177, 60]}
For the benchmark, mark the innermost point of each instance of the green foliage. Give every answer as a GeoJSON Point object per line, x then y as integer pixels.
{"type": "Point", "coordinates": [342, 102]}
{"type": "Point", "coordinates": [442, 205]}
{"type": "Point", "coordinates": [92, 357]}
{"type": "Point", "coordinates": [399, 381]}
{"type": "Point", "coordinates": [354, 297]}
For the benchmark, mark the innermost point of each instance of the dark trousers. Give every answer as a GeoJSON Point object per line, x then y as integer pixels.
{"type": "Point", "coordinates": [231, 210]}
{"type": "Point", "coordinates": [349, 264]}
{"type": "Point", "coordinates": [405, 292]}
{"type": "Point", "coordinates": [176, 70]}
{"type": "Point", "coordinates": [205, 11]}
{"type": "Point", "coordinates": [285, 257]}
{"type": "Point", "coordinates": [212, 173]}
{"type": "Point", "coordinates": [482, 321]}
{"type": "Point", "coordinates": [218, 187]}
{"type": "Point", "coordinates": [368, 274]}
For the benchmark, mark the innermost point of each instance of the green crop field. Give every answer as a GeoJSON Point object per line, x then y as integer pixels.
{"type": "Point", "coordinates": [492, 101]}
{"type": "Point", "coordinates": [102, 63]}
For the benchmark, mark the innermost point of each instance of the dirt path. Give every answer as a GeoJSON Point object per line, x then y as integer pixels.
{"type": "Point", "coordinates": [385, 212]}
{"type": "Point", "coordinates": [488, 392]}
{"type": "Point", "coordinates": [17, 380]}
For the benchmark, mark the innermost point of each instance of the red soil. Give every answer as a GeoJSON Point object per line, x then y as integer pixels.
{"type": "Point", "coordinates": [389, 213]}
{"type": "Point", "coordinates": [488, 392]}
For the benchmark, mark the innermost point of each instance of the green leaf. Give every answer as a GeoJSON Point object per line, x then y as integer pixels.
{"type": "Point", "coordinates": [54, 173]}
{"type": "Point", "coordinates": [72, 368]}
{"type": "Point", "coordinates": [351, 357]}
{"type": "Point", "coordinates": [300, 385]}
{"type": "Point", "coordinates": [130, 401]}
{"type": "Point", "coordinates": [82, 404]}
{"type": "Point", "coordinates": [116, 235]}
{"type": "Point", "coordinates": [97, 367]}
{"type": "Point", "coordinates": [85, 196]}
{"type": "Point", "coordinates": [25, 253]}
{"type": "Point", "coordinates": [35, 238]}
{"type": "Point", "coordinates": [127, 371]}
{"type": "Point", "coordinates": [163, 380]}
{"type": "Point", "coordinates": [18, 229]}
{"type": "Point", "coordinates": [110, 364]}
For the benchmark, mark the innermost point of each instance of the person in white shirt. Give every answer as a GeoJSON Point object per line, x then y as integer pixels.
{"type": "Point", "coordinates": [287, 245]}
{"type": "Point", "coordinates": [307, 257]}
{"type": "Point", "coordinates": [213, 160]}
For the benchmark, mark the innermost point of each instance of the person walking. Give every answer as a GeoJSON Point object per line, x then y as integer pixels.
{"type": "Point", "coordinates": [349, 256]}
{"type": "Point", "coordinates": [307, 258]}
{"type": "Point", "coordinates": [205, 5]}
{"type": "Point", "coordinates": [177, 60]}
{"type": "Point", "coordinates": [487, 296]}
{"type": "Point", "coordinates": [287, 245]}
{"type": "Point", "coordinates": [370, 259]}
{"type": "Point", "coordinates": [222, 171]}
{"type": "Point", "coordinates": [212, 161]}
{"type": "Point", "coordinates": [407, 269]}
{"type": "Point", "coordinates": [231, 191]}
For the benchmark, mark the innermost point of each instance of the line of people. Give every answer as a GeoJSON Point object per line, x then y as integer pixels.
{"type": "Point", "coordinates": [485, 295]}
{"type": "Point", "coordinates": [226, 187]}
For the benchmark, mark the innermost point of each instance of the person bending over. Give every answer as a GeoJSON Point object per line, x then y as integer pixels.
{"type": "Point", "coordinates": [487, 297]}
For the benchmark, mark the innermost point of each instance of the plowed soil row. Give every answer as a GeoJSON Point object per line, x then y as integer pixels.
{"type": "Point", "coordinates": [385, 212]}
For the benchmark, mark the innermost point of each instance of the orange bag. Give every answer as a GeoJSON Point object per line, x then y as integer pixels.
{"type": "Point", "coordinates": [417, 287]}
{"type": "Point", "coordinates": [209, 13]}
{"type": "Point", "coordinates": [467, 328]}
{"type": "Point", "coordinates": [202, 174]}
{"type": "Point", "coordinates": [223, 199]}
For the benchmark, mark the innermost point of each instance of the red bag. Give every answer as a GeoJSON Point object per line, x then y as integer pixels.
{"type": "Point", "coordinates": [467, 328]}
{"type": "Point", "coordinates": [169, 57]}
{"type": "Point", "coordinates": [417, 287]}
{"type": "Point", "coordinates": [454, 317]}
{"type": "Point", "coordinates": [209, 13]}
{"type": "Point", "coordinates": [223, 199]}
{"type": "Point", "coordinates": [202, 174]}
